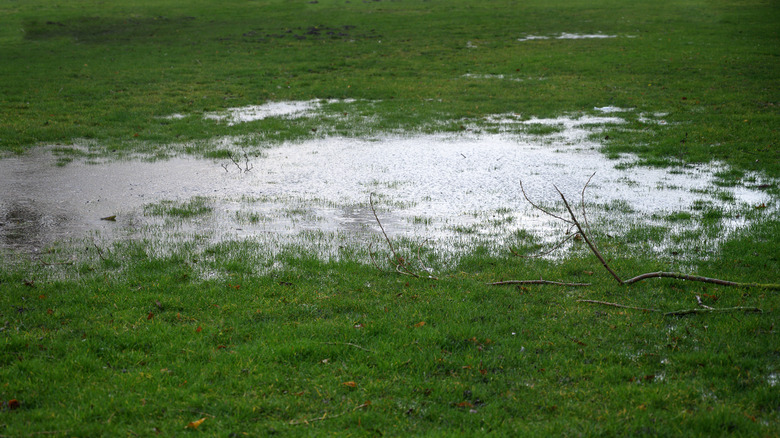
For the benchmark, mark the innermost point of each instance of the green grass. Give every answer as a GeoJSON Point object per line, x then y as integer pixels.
{"type": "Point", "coordinates": [133, 340]}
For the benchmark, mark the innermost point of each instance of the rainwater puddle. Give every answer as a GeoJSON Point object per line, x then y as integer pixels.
{"type": "Point", "coordinates": [566, 36]}
{"type": "Point", "coordinates": [453, 190]}
{"type": "Point", "coordinates": [272, 109]}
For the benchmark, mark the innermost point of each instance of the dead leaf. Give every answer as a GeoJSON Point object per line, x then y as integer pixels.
{"type": "Point", "coordinates": [351, 384]}
{"type": "Point", "coordinates": [109, 218]}
{"type": "Point", "coordinates": [197, 330]}
{"type": "Point", "coordinates": [420, 324]}
{"type": "Point", "coordinates": [465, 404]}
{"type": "Point", "coordinates": [13, 404]}
{"type": "Point", "coordinates": [150, 315]}
{"type": "Point", "coordinates": [195, 424]}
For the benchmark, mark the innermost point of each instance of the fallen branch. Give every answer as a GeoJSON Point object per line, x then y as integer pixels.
{"type": "Point", "coordinates": [582, 233]}
{"type": "Point", "coordinates": [711, 309]}
{"type": "Point", "coordinates": [605, 303]}
{"type": "Point", "coordinates": [698, 278]}
{"type": "Point", "coordinates": [557, 283]}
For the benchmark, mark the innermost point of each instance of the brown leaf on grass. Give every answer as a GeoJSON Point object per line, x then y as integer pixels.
{"type": "Point", "coordinates": [420, 324]}
{"type": "Point", "coordinates": [197, 330]}
{"type": "Point", "coordinates": [150, 315]}
{"type": "Point", "coordinates": [13, 404]}
{"type": "Point", "coordinates": [351, 384]}
{"type": "Point", "coordinates": [464, 404]}
{"type": "Point", "coordinates": [195, 424]}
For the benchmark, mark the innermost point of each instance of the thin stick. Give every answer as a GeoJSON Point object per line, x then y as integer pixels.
{"type": "Point", "coordinates": [230, 154]}
{"type": "Point", "coordinates": [387, 239]}
{"type": "Point", "coordinates": [605, 303]}
{"type": "Point", "coordinates": [556, 283]}
{"type": "Point", "coordinates": [422, 263]}
{"type": "Point", "coordinates": [701, 304]}
{"type": "Point", "coordinates": [582, 201]}
{"type": "Point", "coordinates": [371, 256]}
{"type": "Point", "coordinates": [727, 309]}
{"type": "Point", "coordinates": [350, 344]}
{"type": "Point", "coordinates": [522, 189]}
{"type": "Point", "coordinates": [680, 276]}
{"type": "Point", "coordinates": [587, 240]}
{"type": "Point", "coordinates": [325, 415]}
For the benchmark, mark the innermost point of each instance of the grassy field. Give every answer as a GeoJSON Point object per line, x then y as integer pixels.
{"type": "Point", "coordinates": [127, 340]}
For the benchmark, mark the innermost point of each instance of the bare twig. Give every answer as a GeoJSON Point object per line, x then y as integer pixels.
{"type": "Point", "coordinates": [701, 303]}
{"type": "Point", "coordinates": [701, 279]}
{"type": "Point", "coordinates": [326, 416]}
{"type": "Point", "coordinates": [540, 208]}
{"type": "Point", "coordinates": [556, 283]}
{"type": "Point", "coordinates": [711, 309]}
{"type": "Point", "coordinates": [230, 155]}
{"type": "Point", "coordinates": [351, 345]}
{"type": "Point", "coordinates": [585, 237]}
{"type": "Point", "coordinates": [582, 202]}
{"type": "Point", "coordinates": [401, 266]}
{"type": "Point", "coordinates": [247, 166]}
{"type": "Point", "coordinates": [605, 303]}
{"type": "Point", "coordinates": [387, 239]}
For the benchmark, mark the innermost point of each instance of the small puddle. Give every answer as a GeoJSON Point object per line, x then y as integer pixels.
{"type": "Point", "coordinates": [454, 189]}
{"type": "Point", "coordinates": [272, 109]}
{"type": "Point", "coordinates": [567, 36]}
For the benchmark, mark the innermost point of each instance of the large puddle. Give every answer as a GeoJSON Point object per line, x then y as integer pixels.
{"type": "Point", "coordinates": [452, 189]}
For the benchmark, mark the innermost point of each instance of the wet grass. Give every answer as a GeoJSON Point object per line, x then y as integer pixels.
{"type": "Point", "coordinates": [129, 339]}
{"type": "Point", "coordinates": [120, 69]}
{"type": "Point", "coordinates": [139, 344]}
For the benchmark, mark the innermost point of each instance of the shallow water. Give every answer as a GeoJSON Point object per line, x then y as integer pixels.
{"type": "Point", "coordinates": [451, 188]}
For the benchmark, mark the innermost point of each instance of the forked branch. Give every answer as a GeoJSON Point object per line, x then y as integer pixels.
{"type": "Point", "coordinates": [585, 236]}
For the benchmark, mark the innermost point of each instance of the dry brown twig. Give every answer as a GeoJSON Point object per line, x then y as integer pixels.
{"type": "Point", "coordinates": [401, 265]}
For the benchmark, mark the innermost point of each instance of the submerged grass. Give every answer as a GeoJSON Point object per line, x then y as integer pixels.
{"type": "Point", "coordinates": [125, 339]}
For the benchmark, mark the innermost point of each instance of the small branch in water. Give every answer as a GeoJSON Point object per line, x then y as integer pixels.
{"type": "Point", "coordinates": [605, 303]}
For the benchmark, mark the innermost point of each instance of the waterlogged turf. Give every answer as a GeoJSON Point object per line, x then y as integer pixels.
{"type": "Point", "coordinates": [160, 154]}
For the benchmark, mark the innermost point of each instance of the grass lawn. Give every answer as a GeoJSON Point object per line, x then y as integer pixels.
{"type": "Point", "coordinates": [226, 339]}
